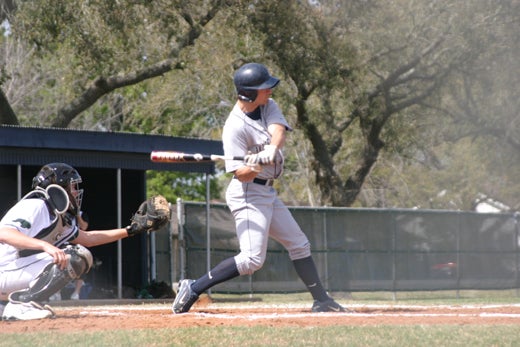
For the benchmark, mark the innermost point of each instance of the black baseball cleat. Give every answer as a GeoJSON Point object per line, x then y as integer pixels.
{"type": "Point", "coordinates": [185, 298]}
{"type": "Point", "coordinates": [328, 306]}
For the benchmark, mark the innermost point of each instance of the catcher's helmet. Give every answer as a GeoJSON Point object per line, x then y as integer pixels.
{"type": "Point", "coordinates": [63, 175]}
{"type": "Point", "coordinates": [252, 77]}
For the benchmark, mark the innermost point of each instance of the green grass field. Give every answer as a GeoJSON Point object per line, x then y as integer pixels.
{"type": "Point", "coordinates": [370, 335]}
{"type": "Point", "coordinates": [503, 335]}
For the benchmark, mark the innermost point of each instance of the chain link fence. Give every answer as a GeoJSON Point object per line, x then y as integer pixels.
{"type": "Point", "coordinates": [360, 249]}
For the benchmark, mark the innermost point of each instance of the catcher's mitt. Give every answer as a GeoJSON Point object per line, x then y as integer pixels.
{"type": "Point", "coordinates": [152, 215]}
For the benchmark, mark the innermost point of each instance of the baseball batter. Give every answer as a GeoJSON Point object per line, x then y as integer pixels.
{"type": "Point", "coordinates": [41, 246]}
{"type": "Point", "coordinates": [256, 129]}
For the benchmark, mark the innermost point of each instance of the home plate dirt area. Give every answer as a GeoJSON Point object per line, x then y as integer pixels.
{"type": "Point", "coordinates": [205, 313]}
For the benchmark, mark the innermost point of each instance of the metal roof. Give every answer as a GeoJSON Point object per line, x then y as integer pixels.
{"type": "Point", "coordinates": [37, 146]}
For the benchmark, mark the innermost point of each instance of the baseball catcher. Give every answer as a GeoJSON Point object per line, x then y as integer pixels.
{"type": "Point", "coordinates": [152, 215]}
{"type": "Point", "coordinates": [43, 246]}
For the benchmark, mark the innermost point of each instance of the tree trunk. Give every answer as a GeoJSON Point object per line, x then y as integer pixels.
{"type": "Point", "coordinates": [7, 115]}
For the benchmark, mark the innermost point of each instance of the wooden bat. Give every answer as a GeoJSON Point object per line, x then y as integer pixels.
{"type": "Point", "coordinates": [177, 157]}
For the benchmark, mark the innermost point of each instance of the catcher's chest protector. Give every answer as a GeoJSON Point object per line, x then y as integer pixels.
{"type": "Point", "coordinates": [62, 228]}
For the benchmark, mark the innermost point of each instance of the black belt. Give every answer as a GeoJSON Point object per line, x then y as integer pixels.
{"type": "Point", "coordinates": [261, 181]}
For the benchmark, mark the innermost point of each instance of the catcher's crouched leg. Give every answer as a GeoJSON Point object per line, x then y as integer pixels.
{"type": "Point", "coordinates": [53, 279]}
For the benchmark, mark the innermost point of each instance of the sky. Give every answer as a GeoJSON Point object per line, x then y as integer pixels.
{"type": "Point", "coordinates": [5, 26]}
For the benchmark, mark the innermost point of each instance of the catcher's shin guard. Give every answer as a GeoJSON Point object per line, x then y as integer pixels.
{"type": "Point", "coordinates": [52, 278]}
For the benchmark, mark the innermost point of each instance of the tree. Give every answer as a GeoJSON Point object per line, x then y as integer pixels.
{"type": "Point", "coordinates": [6, 110]}
{"type": "Point", "coordinates": [410, 51]}
{"type": "Point", "coordinates": [187, 186]}
{"type": "Point", "coordinates": [78, 30]}
{"type": "Point", "coordinates": [374, 88]}
{"type": "Point", "coordinates": [6, 7]}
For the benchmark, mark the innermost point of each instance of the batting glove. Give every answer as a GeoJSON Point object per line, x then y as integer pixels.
{"type": "Point", "coordinates": [267, 156]}
{"type": "Point", "coordinates": [252, 160]}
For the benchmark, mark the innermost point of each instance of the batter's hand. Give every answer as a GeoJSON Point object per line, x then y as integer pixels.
{"type": "Point", "coordinates": [253, 161]}
{"type": "Point", "coordinates": [267, 156]}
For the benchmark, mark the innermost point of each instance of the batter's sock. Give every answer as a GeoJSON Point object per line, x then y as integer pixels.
{"type": "Point", "coordinates": [306, 269]}
{"type": "Point", "coordinates": [225, 270]}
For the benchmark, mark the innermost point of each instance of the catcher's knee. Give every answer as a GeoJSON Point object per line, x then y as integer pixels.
{"type": "Point", "coordinates": [53, 279]}
{"type": "Point", "coordinates": [80, 260]}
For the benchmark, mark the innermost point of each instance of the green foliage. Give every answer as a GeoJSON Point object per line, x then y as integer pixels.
{"type": "Point", "coordinates": [355, 76]}
{"type": "Point", "coordinates": [187, 186]}
{"type": "Point", "coordinates": [119, 34]}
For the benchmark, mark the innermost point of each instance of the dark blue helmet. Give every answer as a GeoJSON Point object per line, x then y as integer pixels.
{"type": "Point", "coordinates": [252, 77]}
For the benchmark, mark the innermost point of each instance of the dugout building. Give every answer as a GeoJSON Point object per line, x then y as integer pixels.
{"type": "Point", "coordinates": [113, 168]}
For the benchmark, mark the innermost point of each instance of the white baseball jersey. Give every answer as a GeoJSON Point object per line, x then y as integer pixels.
{"type": "Point", "coordinates": [31, 217]}
{"type": "Point", "coordinates": [258, 212]}
{"type": "Point", "coordinates": [242, 134]}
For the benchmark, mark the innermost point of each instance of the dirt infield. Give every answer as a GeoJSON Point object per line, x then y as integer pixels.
{"type": "Point", "coordinates": [205, 313]}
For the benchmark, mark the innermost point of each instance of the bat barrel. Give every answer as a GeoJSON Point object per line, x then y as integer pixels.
{"type": "Point", "coordinates": [166, 157]}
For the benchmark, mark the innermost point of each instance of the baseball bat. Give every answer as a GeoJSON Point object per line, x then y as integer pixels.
{"type": "Point", "coordinates": [176, 157]}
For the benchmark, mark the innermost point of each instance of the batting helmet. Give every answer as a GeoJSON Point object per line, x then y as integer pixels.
{"type": "Point", "coordinates": [63, 175]}
{"type": "Point", "coordinates": [252, 77]}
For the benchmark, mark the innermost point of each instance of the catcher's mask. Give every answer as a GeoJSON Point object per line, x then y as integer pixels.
{"type": "Point", "coordinates": [251, 78]}
{"type": "Point", "coordinates": [66, 177]}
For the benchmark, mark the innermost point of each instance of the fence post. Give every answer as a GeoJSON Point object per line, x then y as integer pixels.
{"type": "Point", "coordinates": [457, 240]}
{"type": "Point", "coordinates": [182, 244]}
{"type": "Point", "coordinates": [208, 229]}
{"type": "Point", "coordinates": [516, 216]}
{"type": "Point", "coordinates": [172, 250]}
{"type": "Point", "coordinates": [326, 247]}
{"type": "Point", "coordinates": [394, 256]}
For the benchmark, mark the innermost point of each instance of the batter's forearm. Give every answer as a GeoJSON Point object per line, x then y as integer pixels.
{"type": "Point", "coordinates": [277, 132]}
{"type": "Point", "coordinates": [245, 174]}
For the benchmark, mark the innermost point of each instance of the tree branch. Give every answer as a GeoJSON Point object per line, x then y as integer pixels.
{"type": "Point", "coordinates": [7, 115]}
{"type": "Point", "coordinates": [102, 86]}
